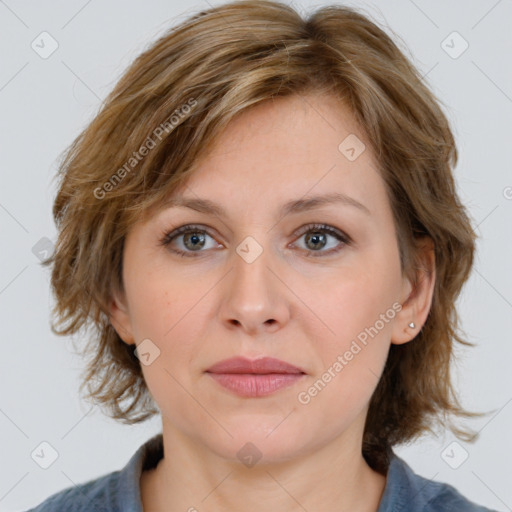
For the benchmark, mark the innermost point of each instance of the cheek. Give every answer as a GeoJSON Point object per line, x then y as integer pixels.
{"type": "Point", "coordinates": [171, 324]}
{"type": "Point", "coordinates": [168, 309]}
{"type": "Point", "coordinates": [159, 297]}
{"type": "Point", "coordinates": [358, 300]}
{"type": "Point", "coordinates": [359, 313]}
{"type": "Point", "coordinates": [352, 362]}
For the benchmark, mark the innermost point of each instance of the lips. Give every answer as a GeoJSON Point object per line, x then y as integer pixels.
{"type": "Point", "coordinates": [256, 378]}
{"type": "Point", "coordinates": [262, 366]}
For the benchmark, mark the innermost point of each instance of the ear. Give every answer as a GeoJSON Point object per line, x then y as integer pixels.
{"type": "Point", "coordinates": [120, 317]}
{"type": "Point", "coordinates": [417, 294]}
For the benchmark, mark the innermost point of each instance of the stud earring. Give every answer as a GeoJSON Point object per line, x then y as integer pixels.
{"type": "Point", "coordinates": [412, 325]}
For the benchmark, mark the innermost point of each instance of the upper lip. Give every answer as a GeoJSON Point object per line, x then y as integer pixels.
{"type": "Point", "coordinates": [262, 365]}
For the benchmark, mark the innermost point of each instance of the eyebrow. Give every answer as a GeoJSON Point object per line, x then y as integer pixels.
{"type": "Point", "coordinates": [294, 206]}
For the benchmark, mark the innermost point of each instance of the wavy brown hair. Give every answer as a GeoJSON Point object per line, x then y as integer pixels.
{"type": "Point", "coordinates": [174, 101]}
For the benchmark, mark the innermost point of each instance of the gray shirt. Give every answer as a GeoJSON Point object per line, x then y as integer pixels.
{"type": "Point", "coordinates": [119, 491]}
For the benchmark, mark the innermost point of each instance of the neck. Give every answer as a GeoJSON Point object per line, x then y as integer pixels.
{"type": "Point", "coordinates": [327, 478]}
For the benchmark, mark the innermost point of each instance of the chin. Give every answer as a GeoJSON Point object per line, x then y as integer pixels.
{"type": "Point", "coordinates": [258, 445]}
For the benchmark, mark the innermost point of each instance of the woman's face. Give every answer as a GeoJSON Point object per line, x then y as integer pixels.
{"type": "Point", "coordinates": [256, 281]}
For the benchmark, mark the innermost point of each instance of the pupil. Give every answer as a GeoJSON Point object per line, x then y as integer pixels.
{"type": "Point", "coordinates": [195, 238]}
{"type": "Point", "coordinates": [315, 237]}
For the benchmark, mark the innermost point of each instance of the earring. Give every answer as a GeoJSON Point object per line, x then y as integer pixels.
{"type": "Point", "coordinates": [412, 325]}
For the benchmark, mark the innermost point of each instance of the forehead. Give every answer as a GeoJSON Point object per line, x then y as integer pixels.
{"type": "Point", "coordinates": [282, 151]}
{"type": "Point", "coordinates": [299, 127]}
{"type": "Point", "coordinates": [283, 156]}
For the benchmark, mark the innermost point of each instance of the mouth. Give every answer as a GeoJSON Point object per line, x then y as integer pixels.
{"type": "Point", "coordinates": [255, 378]}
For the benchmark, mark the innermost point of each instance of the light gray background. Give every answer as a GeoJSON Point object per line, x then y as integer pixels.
{"type": "Point", "coordinates": [45, 103]}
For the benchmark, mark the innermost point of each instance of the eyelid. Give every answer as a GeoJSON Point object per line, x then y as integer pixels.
{"type": "Point", "coordinates": [321, 226]}
{"type": "Point", "coordinates": [172, 233]}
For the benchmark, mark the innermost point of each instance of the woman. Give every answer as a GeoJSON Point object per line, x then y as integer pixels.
{"type": "Point", "coordinates": [262, 223]}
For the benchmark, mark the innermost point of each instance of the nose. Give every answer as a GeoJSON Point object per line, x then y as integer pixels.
{"type": "Point", "coordinates": [253, 295]}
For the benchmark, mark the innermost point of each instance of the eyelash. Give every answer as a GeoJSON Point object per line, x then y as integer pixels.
{"type": "Point", "coordinates": [169, 237]}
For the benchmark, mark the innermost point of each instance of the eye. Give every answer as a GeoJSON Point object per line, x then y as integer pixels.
{"type": "Point", "coordinates": [317, 238]}
{"type": "Point", "coordinates": [193, 239]}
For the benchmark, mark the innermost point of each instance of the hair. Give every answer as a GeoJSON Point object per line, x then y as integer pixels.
{"type": "Point", "coordinates": [166, 112]}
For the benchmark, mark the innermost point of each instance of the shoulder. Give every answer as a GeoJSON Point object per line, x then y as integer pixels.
{"type": "Point", "coordinates": [445, 498]}
{"type": "Point", "coordinates": [407, 491]}
{"type": "Point", "coordinates": [118, 491]}
{"type": "Point", "coordinates": [441, 497]}
{"type": "Point", "coordinates": [98, 495]}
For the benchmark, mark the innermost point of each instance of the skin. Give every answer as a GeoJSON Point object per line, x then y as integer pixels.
{"type": "Point", "coordinates": [284, 304]}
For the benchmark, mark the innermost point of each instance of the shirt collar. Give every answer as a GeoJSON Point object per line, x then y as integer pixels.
{"type": "Point", "coordinates": [401, 491]}
{"type": "Point", "coordinates": [146, 457]}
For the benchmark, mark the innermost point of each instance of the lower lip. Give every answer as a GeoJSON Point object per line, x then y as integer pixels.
{"type": "Point", "coordinates": [254, 385]}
